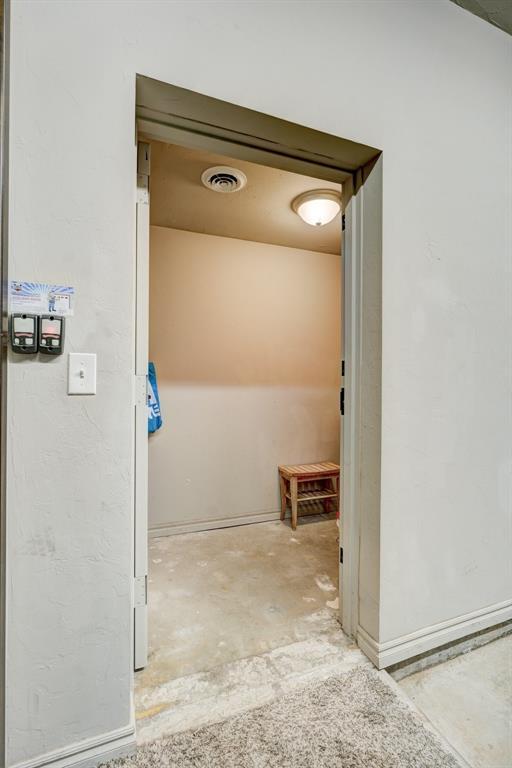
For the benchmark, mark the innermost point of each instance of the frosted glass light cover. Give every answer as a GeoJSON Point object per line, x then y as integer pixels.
{"type": "Point", "coordinates": [318, 212]}
{"type": "Point", "coordinates": [318, 206]}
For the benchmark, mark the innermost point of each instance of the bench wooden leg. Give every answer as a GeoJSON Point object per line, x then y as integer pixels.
{"type": "Point", "coordinates": [293, 494]}
{"type": "Point", "coordinates": [282, 484]}
{"type": "Point", "coordinates": [326, 503]}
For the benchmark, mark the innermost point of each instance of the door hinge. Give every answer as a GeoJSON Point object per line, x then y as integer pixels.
{"type": "Point", "coordinates": [142, 189]}
{"type": "Point", "coordinates": [342, 401]}
{"type": "Point", "coordinates": [140, 591]}
{"type": "Point", "coordinates": [341, 555]}
{"type": "Point", "coordinates": [143, 158]}
{"type": "Point", "coordinates": [343, 222]}
{"type": "Point", "coordinates": [140, 389]}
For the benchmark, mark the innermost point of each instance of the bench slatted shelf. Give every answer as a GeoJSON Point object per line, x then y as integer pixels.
{"type": "Point", "coordinates": [323, 473]}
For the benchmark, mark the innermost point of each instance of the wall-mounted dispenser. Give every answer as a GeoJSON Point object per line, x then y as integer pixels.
{"type": "Point", "coordinates": [24, 333]}
{"type": "Point", "coordinates": [36, 333]}
{"type": "Point", "coordinates": [51, 334]}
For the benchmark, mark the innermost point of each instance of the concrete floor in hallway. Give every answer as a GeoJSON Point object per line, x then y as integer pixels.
{"type": "Point", "coordinates": [469, 700]}
{"type": "Point", "coordinates": [237, 616]}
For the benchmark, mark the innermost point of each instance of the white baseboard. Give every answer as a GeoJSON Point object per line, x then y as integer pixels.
{"type": "Point", "coordinates": [407, 646]}
{"type": "Point", "coordinates": [88, 753]}
{"type": "Point", "coordinates": [173, 529]}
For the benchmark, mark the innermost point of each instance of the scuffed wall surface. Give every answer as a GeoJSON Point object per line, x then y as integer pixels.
{"type": "Point", "coordinates": [69, 459]}
{"type": "Point", "coordinates": [403, 77]}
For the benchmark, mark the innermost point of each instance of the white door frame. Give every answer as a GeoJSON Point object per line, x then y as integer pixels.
{"type": "Point", "coordinates": [349, 539]}
{"type": "Point", "coordinates": [178, 116]}
{"type": "Point", "coordinates": [4, 220]}
{"type": "Point", "coordinates": [349, 520]}
{"type": "Point", "coordinates": [140, 491]}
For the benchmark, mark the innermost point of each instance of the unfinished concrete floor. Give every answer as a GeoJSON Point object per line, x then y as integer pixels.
{"type": "Point", "coordinates": [469, 701]}
{"type": "Point", "coordinates": [221, 595]}
{"type": "Point", "coordinates": [236, 613]}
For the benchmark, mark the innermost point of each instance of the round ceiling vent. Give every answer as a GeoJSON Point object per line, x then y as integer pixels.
{"type": "Point", "coordinates": [222, 178]}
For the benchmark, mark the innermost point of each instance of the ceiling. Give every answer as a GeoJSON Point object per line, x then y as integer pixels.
{"type": "Point", "coordinates": [497, 12]}
{"type": "Point", "coordinates": [261, 211]}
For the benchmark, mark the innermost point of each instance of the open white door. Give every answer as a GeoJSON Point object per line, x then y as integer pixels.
{"type": "Point", "coordinates": [342, 414]}
{"type": "Point", "coordinates": [141, 410]}
{"type": "Point", "coordinates": [340, 494]}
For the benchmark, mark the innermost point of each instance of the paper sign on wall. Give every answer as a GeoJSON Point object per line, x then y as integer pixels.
{"type": "Point", "coordinates": [41, 298]}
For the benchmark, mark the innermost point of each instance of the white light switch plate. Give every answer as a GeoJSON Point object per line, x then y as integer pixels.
{"type": "Point", "coordinates": [82, 373]}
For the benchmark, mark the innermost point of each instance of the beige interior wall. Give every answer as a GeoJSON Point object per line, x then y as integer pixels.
{"type": "Point", "coordinates": [246, 340]}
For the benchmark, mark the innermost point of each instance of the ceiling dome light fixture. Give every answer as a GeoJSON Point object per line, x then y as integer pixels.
{"type": "Point", "coordinates": [318, 207]}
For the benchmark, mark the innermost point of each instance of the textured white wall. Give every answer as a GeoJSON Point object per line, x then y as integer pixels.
{"type": "Point", "coordinates": [246, 339]}
{"type": "Point", "coordinates": [424, 81]}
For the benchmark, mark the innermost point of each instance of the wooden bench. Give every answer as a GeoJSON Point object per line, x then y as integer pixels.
{"type": "Point", "coordinates": [323, 484]}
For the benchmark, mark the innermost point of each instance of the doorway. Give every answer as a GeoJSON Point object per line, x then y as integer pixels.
{"type": "Point", "coordinates": [185, 133]}
{"type": "Point", "coordinates": [245, 327]}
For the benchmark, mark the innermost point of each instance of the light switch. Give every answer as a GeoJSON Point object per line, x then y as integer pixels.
{"type": "Point", "coordinates": [82, 373]}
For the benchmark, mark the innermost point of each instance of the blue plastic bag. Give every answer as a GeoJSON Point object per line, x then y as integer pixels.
{"type": "Point", "coordinates": [154, 413]}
